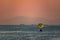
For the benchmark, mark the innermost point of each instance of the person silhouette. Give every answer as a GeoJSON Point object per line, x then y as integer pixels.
{"type": "Point", "coordinates": [41, 26]}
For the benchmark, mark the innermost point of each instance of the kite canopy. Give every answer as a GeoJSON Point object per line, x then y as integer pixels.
{"type": "Point", "coordinates": [40, 25]}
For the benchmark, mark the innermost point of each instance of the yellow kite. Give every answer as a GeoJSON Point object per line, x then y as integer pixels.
{"type": "Point", "coordinates": [40, 25]}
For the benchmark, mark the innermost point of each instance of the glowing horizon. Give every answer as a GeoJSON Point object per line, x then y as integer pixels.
{"type": "Point", "coordinates": [11, 11]}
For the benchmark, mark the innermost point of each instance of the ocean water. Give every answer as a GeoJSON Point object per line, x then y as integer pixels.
{"type": "Point", "coordinates": [29, 32]}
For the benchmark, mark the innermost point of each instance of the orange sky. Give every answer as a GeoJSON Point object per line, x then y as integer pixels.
{"type": "Point", "coordinates": [29, 11]}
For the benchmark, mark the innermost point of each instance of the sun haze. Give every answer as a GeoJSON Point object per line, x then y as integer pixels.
{"type": "Point", "coordinates": [29, 12]}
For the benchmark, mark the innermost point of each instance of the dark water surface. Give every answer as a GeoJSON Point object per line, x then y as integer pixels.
{"type": "Point", "coordinates": [27, 28]}
{"type": "Point", "coordinates": [24, 32]}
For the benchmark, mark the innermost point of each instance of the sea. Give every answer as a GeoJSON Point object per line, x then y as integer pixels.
{"type": "Point", "coordinates": [29, 32]}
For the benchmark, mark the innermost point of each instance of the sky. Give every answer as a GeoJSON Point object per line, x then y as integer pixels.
{"type": "Point", "coordinates": [15, 12]}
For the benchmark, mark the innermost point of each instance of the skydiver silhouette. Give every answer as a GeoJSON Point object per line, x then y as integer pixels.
{"type": "Point", "coordinates": [41, 26]}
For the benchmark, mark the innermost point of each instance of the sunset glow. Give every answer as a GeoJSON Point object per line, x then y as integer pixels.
{"type": "Point", "coordinates": [11, 11]}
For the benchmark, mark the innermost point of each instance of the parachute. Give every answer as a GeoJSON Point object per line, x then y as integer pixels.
{"type": "Point", "coordinates": [40, 25]}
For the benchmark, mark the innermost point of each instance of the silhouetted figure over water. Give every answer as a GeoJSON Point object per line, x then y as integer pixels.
{"type": "Point", "coordinates": [41, 26]}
